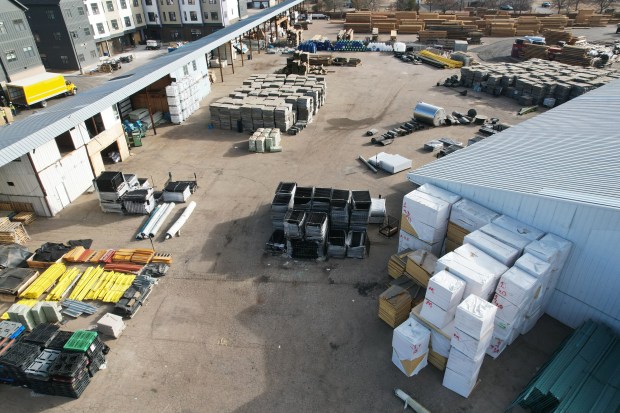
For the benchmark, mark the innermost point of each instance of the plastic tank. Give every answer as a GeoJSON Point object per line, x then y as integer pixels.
{"type": "Point", "coordinates": [429, 114]}
{"type": "Point", "coordinates": [400, 47]}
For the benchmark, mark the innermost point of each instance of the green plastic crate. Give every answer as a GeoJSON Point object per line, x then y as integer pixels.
{"type": "Point", "coordinates": [80, 341]}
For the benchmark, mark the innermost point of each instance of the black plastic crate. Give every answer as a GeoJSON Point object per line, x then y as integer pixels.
{"type": "Point", "coordinates": [95, 364]}
{"type": "Point", "coordinates": [16, 360]}
{"type": "Point", "coordinates": [95, 349]}
{"type": "Point", "coordinates": [59, 341]}
{"type": "Point", "coordinates": [286, 187]}
{"type": "Point", "coordinates": [340, 198]}
{"type": "Point", "coordinates": [361, 199]}
{"type": "Point", "coordinates": [42, 335]}
{"type": "Point", "coordinates": [68, 366]}
{"type": "Point", "coordinates": [109, 181]}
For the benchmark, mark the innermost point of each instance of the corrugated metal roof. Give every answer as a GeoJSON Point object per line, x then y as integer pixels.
{"type": "Point", "coordinates": [25, 135]}
{"type": "Point", "coordinates": [571, 152]}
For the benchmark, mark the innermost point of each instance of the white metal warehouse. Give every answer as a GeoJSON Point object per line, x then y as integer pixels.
{"type": "Point", "coordinates": [559, 172]}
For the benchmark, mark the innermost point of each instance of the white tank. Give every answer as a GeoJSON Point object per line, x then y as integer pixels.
{"type": "Point", "coordinates": [400, 47]}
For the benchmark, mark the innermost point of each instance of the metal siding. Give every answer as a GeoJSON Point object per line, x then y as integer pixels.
{"type": "Point", "coordinates": [38, 203]}
{"type": "Point", "coordinates": [77, 175]}
{"type": "Point", "coordinates": [45, 155]}
{"type": "Point", "coordinates": [22, 176]}
{"type": "Point", "coordinates": [38, 129]}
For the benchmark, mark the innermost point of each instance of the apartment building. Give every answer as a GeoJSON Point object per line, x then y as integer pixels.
{"type": "Point", "coordinates": [187, 20]}
{"type": "Point", "coordinates": [62, 33]}
{"type": "Point", "coordinates": [19, 57]}
{"type": "Point", "coordinates": [116, 24]}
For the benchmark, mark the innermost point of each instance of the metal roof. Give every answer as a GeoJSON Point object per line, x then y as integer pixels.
{"type": "Point", "coordinates": [571, 152]}
{"type": "Point", "coordinates": [34, 78]}
{"type": "Point", "coordinates": [25, 135]}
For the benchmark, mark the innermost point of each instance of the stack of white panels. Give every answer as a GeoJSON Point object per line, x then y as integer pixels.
{"type": "Point", "coordinates": [479, 279]}
{"type": "Point", "coordinates": [473, 327]}
{"type": "Point", "coordinates": [443, 294]}
{"type": "Point", "coordinates": [426, 218]}
{"type": "Point", "coordinates": [503, 253]}
{"type": "Point", "coordinates": [507, 237]}
{"type": "Point", "coordinates": [471, 216]}
{"type": "Point", "coordinates": [390, 163]}
{"type": "Point", "coordinates": [410, 347]}
{"type": "Point", "coordinates": [440, 193]}
{"type": "Point", "coordinates": [518, 227]}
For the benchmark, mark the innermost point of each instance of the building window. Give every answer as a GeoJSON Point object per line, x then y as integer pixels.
{"type": "Point", "coordinates": [184, 15]}
{"type": "Point", "coordinates": [193, 16]}
{"type": "Point", "coordinates": [51, 15]}
{"type": "Point", "coordinates": [173, 16]}
{"type": "Point", "coordinates": [151, 16]}
{"type": "Point", "coordinates": [93, 54]}
{"type": "Point", "coordinates": [127, 22]}
{"type": "Point", "coordinates": [123, 4]}
{"type": "Point", "coordinates": [206, 15]}
{"type": "Point", "coordinates": [213, 15]}
{"type": "Point", "coordinates": [64, 60]}
{"type": "Point", "coordinates": [212, 1]}
{"type": "Point", "coordinates": [100, 28]}
{"type": "Point", "coordinates": [29, 52]}
{"type": "Point", "coordinates": [57, 36]}
{"type": "Point", "coordinates": [87, 31]}
{"type": "Point", "coordinates": [135, 3]}
{"type": "Point", "coordinates": [148, 2]}
{"type": "Point", "coordinates": [11, 56]}
{"type": "Point", "coordinates": [19, 25]}
{"type": "Point", "coordinates": [194, 65]}
{"type": "Point", "coordinates": [95, 8]}
{"type": "Point", "coordinates": [2, 28]}
{"type": "Point", "coordinates": [81, 10]}
{"type": "Point", "coordinates": [139, 18]}
{"type": "Point", "coordinates": [109, 5]}
{"type": "Point", "coordinates": [164, 16]}
{"type": "Point", "coordinates": [114, 24]}
{"type": "Point", "coordinates": [81, 58]}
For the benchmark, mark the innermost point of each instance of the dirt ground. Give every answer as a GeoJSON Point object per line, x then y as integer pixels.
{"type": "Point", "coordinates": [231, 329]}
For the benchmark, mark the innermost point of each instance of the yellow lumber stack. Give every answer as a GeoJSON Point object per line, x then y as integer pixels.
{"type": "Point", "coordinates": [74, 255]}
{"type": "Point", "coordinates": [397, 264]}
{"type": "Point", "coordinates": [452, 64]}
{"type": "Point", "coordinates": [394, 305]}
{"type": "Point", "coordinates": [89, 279]}
{"type": "Point", "coordinates": [25, 218]}
{"type": "Point", "coordinates": [64, 283]}
{"type": "Point", "coordinates": [142, 256]}
{"type": "Point", "coordinates": [45, 281]}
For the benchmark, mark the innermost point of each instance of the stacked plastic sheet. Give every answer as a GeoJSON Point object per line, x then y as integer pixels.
{"type": "Point", "coordinates": [473, 327]}
{"type": "Point", "coordinates": [410, 344]}
{"type": "Point", "coordinates": [443, 295]}
{"type": "Point", "coordinates": [466, 216]}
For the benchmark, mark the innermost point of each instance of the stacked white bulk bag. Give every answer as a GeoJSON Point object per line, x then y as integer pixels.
{"type": "Point", "coordinates": [506, 236]}
{"type": "Point", "coordinates": [443, 295]}
{"type": "Point", "coordinates": [471, 216]}
{"type": "Point", "coordinates": [479, 278]}
{"type": "Point", "coordinates": [410, 347]}
{"type": "Point", "coordinates": [425, 217]}
{"type": "Point", "coordinates": [517, 227]}
{"type": "Point", "coordinates": [502, 252]}
{"type": "Point", "coordinates": [473, 328]}
{"type": "Point", "coordinates": [449, 197]}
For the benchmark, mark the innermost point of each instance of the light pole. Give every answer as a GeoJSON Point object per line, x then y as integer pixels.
{"type": "Point", "coordinates": [74, 35]}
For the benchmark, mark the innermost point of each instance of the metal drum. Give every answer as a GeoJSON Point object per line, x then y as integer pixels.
{"type": "Point", "coordinates": [429, 114]}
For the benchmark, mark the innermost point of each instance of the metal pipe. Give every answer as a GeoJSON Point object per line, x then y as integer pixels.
{"type": "Point", "coordinates": [140, 233]}
{"type": "Point", "coordinates": [365, 162]}
{"type": "Point", "coordinates": [409, 402]}
{"type": "Point", "coordinates": [176, 227]}
{"type": "Point", "coordinates": [161, 221]}
{"type": "Point", "coordinates": [147, 229]}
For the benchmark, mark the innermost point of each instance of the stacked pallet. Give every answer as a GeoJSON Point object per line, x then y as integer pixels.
{"type": "Point", "coordinates": [574, 55]}
{"type": "Point", "coordinates": [397, 263]}
{"type": "Point", "coordinates": [554, 22]}
{"type": "Point", "coordinates": [552, 36]}
{"type": "Point", "coordinates": [394, 305]}
{"type": "Point", "coordinates": [25, 218]}
{"type": "Point", "coordinates": [12, 232]}
{"type": "Point", "coordinates": [534, 51]}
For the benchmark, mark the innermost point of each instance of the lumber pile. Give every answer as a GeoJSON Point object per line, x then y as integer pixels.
{"type": "Point", "coordinates": [397, 264]}
{"type": "Point", "coordinates": [12, 232]}
{"type": "Point", "coordinates": [25, 218]}
{"type": "Point", "coordinates": [553, 36]}
{"type": "Point", "coordinates": [502, 29]}
{"type": "Point", "coordinates": [426, 36]}
{"type": "Point", "coordinates": [527, 26]}
{"type": "Point", "coordinates": [554, 22]}
{"type": "Point", "coordinates": [534, 51]}
{"type": "Point", "coordinates": [574, 55]}
{"type": "Point", "coordinates": [394, 305]}
{"type": "Point", "coordinates": [360, 21]}
{"type": "Point", "coordinates": [162, 258]}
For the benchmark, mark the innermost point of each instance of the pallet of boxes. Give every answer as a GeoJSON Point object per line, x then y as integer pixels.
{"type": "Point", "coordinates": [492, 282]}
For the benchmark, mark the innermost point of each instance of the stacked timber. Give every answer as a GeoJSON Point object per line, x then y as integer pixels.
{"type": "Point", "coordinates": [553, 36]}
{"type": "Point", "coordinates": [534, 51]}
{"type": "Point", "coordinates": [12, 232]}
{"type": "Point", "coordinates": [426, 36]}
{"type": "Point", "coordinates": [359, 21]}
{"type": "Point", "coordinates": [574, 55]}
{"type": "Point", "coordinates": [554, 22]}
{"type": "Point", "coordinates": [527, 26]}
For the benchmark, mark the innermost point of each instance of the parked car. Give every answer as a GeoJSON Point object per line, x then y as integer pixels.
{"type": "Point", "coordinates": [319, 16]}
{"type": "Point", "coordinates": [506, 7]}
{"type": "Point", "coordinates": [546, 4]}
{"type": "Point", "coordinates": [153, 45]}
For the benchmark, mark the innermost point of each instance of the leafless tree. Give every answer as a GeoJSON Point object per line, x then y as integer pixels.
{"type": "Point", "coordinates": [443, 5]}
{"type": "Point", "coordinates": [406, 5]}
{"type": "Point", "coordinates": [602, 4]}
{"type": "Point", "coordinates": [333, 5]}
{"type": "Point", "coordinates": [522, 5]}
{"type": "Point", "coordinates": [365, 4]}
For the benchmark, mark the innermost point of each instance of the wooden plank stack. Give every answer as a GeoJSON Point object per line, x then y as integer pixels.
{"type": "Point", "coordinates": [394, 305]}
{"type": "Point", "coordinates": [12, 232]}
{"type": "Point", "coordinates": [454, 237]}
{"type": "Point", "coordinates": [502, 29]}
{"type": "Point", "coordinates": [420, 266]}
{"type": "Point", "coordinates": [553, 36]}
{"type": "Point", "coordinates": [554, 22]}
{"type": "Point", "coordinates": [162, 258]}
{"type": "Point", "coordinates": [574, 55]}
{"type": "Point", "coordinates": [25, 218]}
{"type": "Point", "coordinates": [397, 264]}
{"type": "Point", "coordinates": [426, 36]}
{"type": "Point", "coordinates": [360, 21]}
{"type": "Point", "coordinates": [534, 51]}
{"type": "Point", "coordinates": [527, 26]}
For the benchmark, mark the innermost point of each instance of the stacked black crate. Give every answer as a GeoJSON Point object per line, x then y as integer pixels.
{"type": "Point", "coordinates": [316, 234]}
{"type": "Point", "coordinates": [69, 374]}
{"type": "Point", "coordinates": [16, 360]}
{"type": "Point", "coordinates": [360, 213]}
{"type": "Point", "coordinates": [37, 373]}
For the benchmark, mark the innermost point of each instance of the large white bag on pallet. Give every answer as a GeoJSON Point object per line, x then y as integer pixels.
{"type": "Point", "coordinates": [410, 342]}
{"type": "Point", "coordinates": [534, 266]}
{"type": "Point", "coordinates": [518, 287]}
{"type": "Point", "coordinates": [475, 316]}
{"type": "Point", "coordinates": [408, 241]}
{"type": "Point", "coordinates": [479, 280]}
{"type": "Point", "coordinates": [425, 216]}
{"type": "Point", "coordinates": [468, 345]}
{"type": "Point", "coordinates": [551, 249]}
{"type": "Point", "coordinates": [506, 236]}
{"type": "Point", "coordinates": [436, 315]}
{"type": "Point", "coordinates": [518, 227]}
{"type": "Point", "coordinates": [445, 289]}
{"type": "Point", "coordinates": [440, 193]}
{"type": "Point", "coordinates": [503, 253]}
{"type": "Point", "coordinates": [462, 385]}
{"type": "Point", "coordinates": [481, 258]}
{"type": "Point", "coordinates": [471, 216]}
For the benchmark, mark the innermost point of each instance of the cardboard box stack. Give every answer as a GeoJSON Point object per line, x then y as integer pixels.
{"type": "Point", "coordinates": [465, 217]}
{"type": "Point", "coordinates": [473, 328]}
{"type": "Point", "coordinates": [443, 295]}
{"type": "Point", "coordinates": [410, 347]}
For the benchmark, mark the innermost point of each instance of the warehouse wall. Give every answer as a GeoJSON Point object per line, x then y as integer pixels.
{"type": "Point", "coordinates": [589, 283]}
{"type": "Point", "coordinates": [45, 155]}
{"type": "Point", "coordinates": [201, 70]}
{"type": "Point", "coordinates": [19, 178]}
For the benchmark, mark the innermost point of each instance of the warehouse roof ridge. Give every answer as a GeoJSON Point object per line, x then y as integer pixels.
{"type": "Point", "coordinates": [25, 135]}
{"type": "Point", "coordinates": [571, 152]}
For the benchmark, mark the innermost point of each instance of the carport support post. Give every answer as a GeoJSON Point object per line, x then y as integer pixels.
{"type": "Point", "coordinates": [232, 60]}
{"type": "Point", "coordinates": [250, 41]}
{"type": "Point", "coordinates": [148, 104]}
{"type": "Point", "coordinates": [241, 47]}
{"type": "Point", "coordinates": [257, 39]}
{"type": "Point", "coordinates": [220, 65]}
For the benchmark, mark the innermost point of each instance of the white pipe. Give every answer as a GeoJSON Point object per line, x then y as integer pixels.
{"type": "Point", "coordinates": [162, 211]}
{"type": "Point", "coordinates": [410, 402]}
{"type": "Point", "coordinates": [161, 221]}
{"type": "Point", "coordinates": [176, 227]}
{"type": "Point", "coordinates": [140, 235]}
{"type": "Point", "coordinates": [154, 218]}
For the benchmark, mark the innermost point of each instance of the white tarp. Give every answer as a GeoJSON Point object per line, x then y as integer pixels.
{"type": "Point", "coordinates": [518, 287]}
{"type": "Point", "coordinates": [475, 316]}
{"type": "Point", "coordinates": [425, 216]}
{"type": "Point", "coordinates": [390, 163]}
{"type": "Point", "coordinates": [518, 227]}
{"type": "Point", "coordinates": [436, 315]}
{"type": "Point", "coordinates": [506, 236]}
{"type": "Point", "coordinates": [445, 289]}
{"type": "Point", "coordinates": [479, 280]}
{"type": "Point", "coordinates": [505, 254]}
{"type": "Point", "coordinates": [471, 216]}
